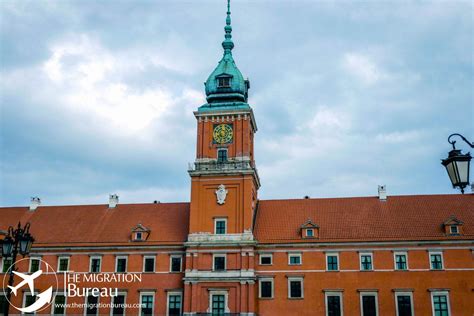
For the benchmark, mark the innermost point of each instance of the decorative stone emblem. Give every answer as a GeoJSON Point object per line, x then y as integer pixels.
{"type": "Point", "coordinates": [221, 194]}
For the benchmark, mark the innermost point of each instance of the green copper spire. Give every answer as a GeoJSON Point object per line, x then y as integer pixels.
{"type": "Point", "coordinates": [226, 87]}
{"type": "Point", "coordinates": [227, 44]}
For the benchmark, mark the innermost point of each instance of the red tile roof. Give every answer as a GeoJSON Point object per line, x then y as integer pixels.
{"type": "Point", "coordinates": [419, 217]}
{"type": "Point", "coordinates": [99, 225]}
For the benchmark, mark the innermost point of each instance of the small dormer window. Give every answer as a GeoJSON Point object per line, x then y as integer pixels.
{"type": "Point", "coordinates": [309, 232]}
{"type": "Point", "coordinates": [223, 82]}
{"type": "Point", "coordinates": [140, 233]}
{"type": "Point", "coordinates": [453, 226]}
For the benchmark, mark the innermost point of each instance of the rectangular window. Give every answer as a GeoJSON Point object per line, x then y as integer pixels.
{"type": "Point", "coordinates": [7, 262]}
{"type": "Point", "coordinates": [174, 304]}
{"type": "Point", "coordinates": [401, 261]}
{"type": "Point", "coordinates": [28, 300]}
{"type": "Point", "coordinates": [223, 82]}
{"type": "Point", "coordinates": [34, 264]}
{"type": "Point", "coordinates": [59, 304]}
{"type": "Point", "coordinates": [366, 261]}
{"type": "Point", "coordinates": [333, 304]}
{"type": "Point", "coordinates": [310, 232]}
{"type": "Point", "coordinates": [92, 305]}
{"type": "Point", "coordinates": [454, 230]}
{"type": "Point", "coordinates": [266, 288]}
{"type": "Point", "coordinates": [294, 259]}
{"type": "Point", "coordinates": [221, 155]}
{"type": "Point", "coordinates": [295, 288]}
{"type": "Point", "coordinates": [3, 302]}
{"type": "Point", "coordinates": [63, 264]}
{"type": "Point", "coordinates": [121, 264]}
{"type": "Point", "coordinates": [220, 226]}
{"type": "Point", "coordinates": [118, 304]}
{"type": "Point", "coordinates": [175, 264]}
{"type": "Point", "coordinates": [440, 303]}
{"type": "Point", "coordinates": [149, 264]}
{"type": "Point", "coordinates": [266, 259]}
{"type": "Point", "coordinates": [219, 263]}
{"type": "Point", "coordinates": [332, 262]}
{"type": "Point", "coordinates": [404, 305]}
{"type": "Point", "coordinates": [368, 304]}
{"type": "Point", "coordinates": [436, 260]}
{"type": "Point", "coordinates": [146, 304]}
{"type": "Point", "coordinates": [95, 264]}
{"type": "Point", "coordinates": [218, 305]}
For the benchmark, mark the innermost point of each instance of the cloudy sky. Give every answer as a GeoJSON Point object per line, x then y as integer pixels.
{"type": "Point", "coordinates": [97, 96]}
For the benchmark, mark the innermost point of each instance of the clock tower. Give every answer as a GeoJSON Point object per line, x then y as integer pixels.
{"type": "Point", "coordinates": [224, 184]}
{"type": "Point", "coordinates": [224, 180]}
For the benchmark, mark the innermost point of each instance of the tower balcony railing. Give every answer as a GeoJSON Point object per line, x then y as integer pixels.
{"type": "Point", "coordinates": [220, 166]}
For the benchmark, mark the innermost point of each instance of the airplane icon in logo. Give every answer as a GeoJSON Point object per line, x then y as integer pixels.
{"type": "Point", "coordinates": [27, 279]}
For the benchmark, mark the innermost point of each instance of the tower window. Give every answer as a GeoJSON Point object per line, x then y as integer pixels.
{"type": "Point", "coordinates": [220, 226]}
{"type": "Point", "coordinates": [223, 82]}
{"type": "Point", "coordinates": [222, 155]}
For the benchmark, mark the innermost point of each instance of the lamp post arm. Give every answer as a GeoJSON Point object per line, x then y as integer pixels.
{"type": "Point", "coordinates": [452, 142]}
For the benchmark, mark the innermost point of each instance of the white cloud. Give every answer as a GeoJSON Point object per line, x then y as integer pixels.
{"type": "Point", "coordinates": [363, 68]}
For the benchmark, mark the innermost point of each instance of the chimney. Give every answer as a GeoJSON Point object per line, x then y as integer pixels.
{"type": "Point", "coordinates": [383, 192]}
{"type": "Point", "coordinates": [113, 200]}
{"type": "Point", "coordinates": [35, 202]}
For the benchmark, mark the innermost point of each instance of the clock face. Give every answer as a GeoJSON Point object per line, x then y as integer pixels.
{"type": "Point", "coordinates": [222, 133]}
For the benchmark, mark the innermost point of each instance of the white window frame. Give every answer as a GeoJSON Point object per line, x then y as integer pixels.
{"type": "Point", "coordinates": [124, 302]}
{"type": "Point", "coordinates": [451, 230]}
{"type": "Point", "coordinates": [154, 263]}
{"type": "Point", "coordinates": [332, 254]}
{"type": "Point", "coordinates": [152, 305]}
{"type": "Point", "coordinates": [168, 301]}
{"type": "Point", "coordinates": [368, 293]}
{"type": "Point", "coordinates": [98, 301]}
{"type": "Point", "coordinates": [301, 280]}
{"type": "Point", "coordinates": [31, 260]}
{"type": "Point", "coordinates": [219, 255]}
{"type": "Point", "coordinates": [333, 293]}
{"type": "Point", "coordinates": [63, 293]}
{"type": "Point", "coordinates": [260, 288]}
{"type": "Point", "coordinates": [138, 235]}
{"type": "Point", "coordinates": [410, 294]}
{"type": "Point", "coordinates": [215, 224]}
{"type": "Point", "coordinates": [398, 253]}
{"type": "Point", "coordinates": [180, 263]}
{"type": "Point", "coordinates": [430, 253]}
{"type": "Point", "coordinates": [295, 254]}
{"type": "Point", "coordinates": [100, 263]}
{"type": "Point", "coordinates": [433, 293]}
{"type": "Point", "coordinates": [68, 262]}
{"type": "Point", "coordinates": [3, 262]}
{"type": "Point", "coordinates": [265, 255]}
{"type": "Point", "coordinates": [116, 263]}
{"type": "Point", "coordinates": [226, 300]}
{"type": "Point", "coordinates": [23, 303]}
{"type": "Point", "coordinates": [371, 260]}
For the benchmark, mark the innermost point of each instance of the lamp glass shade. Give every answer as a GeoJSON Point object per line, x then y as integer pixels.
{"type": "Point", "coordinates": [25, 244]}
{"type": "Point", "coordinates": [7, 247]}
{"type": "Point", "coordinates": [457, 165]}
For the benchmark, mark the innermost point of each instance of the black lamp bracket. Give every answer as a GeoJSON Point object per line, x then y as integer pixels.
{"type": "Point", "coordinates": [452, 142]}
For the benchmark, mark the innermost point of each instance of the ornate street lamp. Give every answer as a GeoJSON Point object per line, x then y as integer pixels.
{"type": "Point", "coordinates": [17, 241]}
{"type": "Point", "coordinates": [457, 164]}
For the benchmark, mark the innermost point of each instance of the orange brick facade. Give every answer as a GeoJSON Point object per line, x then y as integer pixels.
{"type": "Point", "coordinates": [401, 255]}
